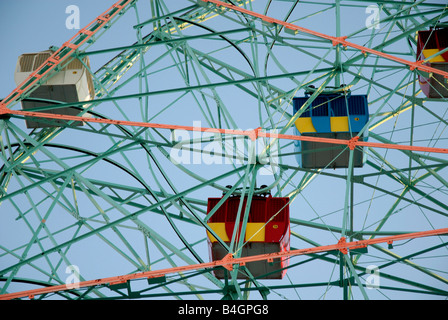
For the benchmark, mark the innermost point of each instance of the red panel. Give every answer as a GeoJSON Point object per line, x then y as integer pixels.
{"type": "Point", "coordinates": [284, 247]}
{"type": "Point", "coordinates": [258, 209]}
{"type": "Point", "coordinates": [279, 208]}
{"type": "Point", "coordinates": [432, 39]}
{"type": "Point", "coordinates": [424, 41]}
{"type": "Point", "coordinates": [232, 209]}
{"type": "Point", "coordinates": [442, 41]}
{"type": "Point", "coordinates": [279, 226]}
{"type": "Point", "coordinates": [424, 83]}
{"type": "Point", "coordinates": [275, 231]}
{"type": "Point", "coordinates": [261, 210]}
{"type": "Point", "coordinates": [220, 214]}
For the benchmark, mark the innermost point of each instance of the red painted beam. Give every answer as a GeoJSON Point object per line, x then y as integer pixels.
{"type": "Point", "coordinates": [227, 262]}
{"type": "Point", "coordinates": [252, 134]}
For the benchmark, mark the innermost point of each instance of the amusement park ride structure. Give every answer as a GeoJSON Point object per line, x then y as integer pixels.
{"type": "Point", "coordinates": [86, 33]}
{"type": "Point", "coordinates": [61, 57]}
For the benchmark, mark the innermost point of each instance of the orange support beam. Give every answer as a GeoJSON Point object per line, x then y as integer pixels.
{"type": "Point", "coordinates": [252, 134]}
{"type": "Point", "coordinates": [227, 262]}
{"type": "Point", "coordinates": [334, 40]}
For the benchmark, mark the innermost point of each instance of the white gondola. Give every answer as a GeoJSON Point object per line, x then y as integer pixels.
{"type": "Point", "coordinates": [73, 83]}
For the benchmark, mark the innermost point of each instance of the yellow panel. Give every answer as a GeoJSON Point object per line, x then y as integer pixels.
{"type": "Point", "coordinates": [220, 229]}
{"type": "Point", "coordinates": [339, 124]}
{"type": "Point", "coordinates": [305, 125]}
{"type": "Point", "coordinates": [255, 231]}
{"type": "Point", "coordinates": [430, 52]}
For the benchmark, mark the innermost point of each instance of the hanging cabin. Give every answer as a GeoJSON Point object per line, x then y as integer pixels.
{"type": "Point", "coordinates": [73, 83]}
{"type": "Point", "coordinates": [429, 43]}
{"type": "Point", "coordinates": [332, 115]}
{"type": "Point", "coordinates": [267, 231]}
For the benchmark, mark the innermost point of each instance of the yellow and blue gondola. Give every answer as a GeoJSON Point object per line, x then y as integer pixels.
{"type": "Point", "coordinates": [332, 115]}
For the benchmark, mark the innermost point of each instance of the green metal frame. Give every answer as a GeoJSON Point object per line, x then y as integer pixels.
{"type": "Point", "coordinates": [69, 191]}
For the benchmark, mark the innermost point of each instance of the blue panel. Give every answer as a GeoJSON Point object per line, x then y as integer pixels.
{"type": "Point", "coordinates": [298, 103]}
{"type": "Point", "coordinates": [358, 112]}
{"type": "Point", "coordinates": [320, 115]}
{"type": "Point", "coordinates": [339, 106]}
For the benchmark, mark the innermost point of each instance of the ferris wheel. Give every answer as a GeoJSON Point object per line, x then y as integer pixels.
{"type": "Point", "coordinates": [230, 150]}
